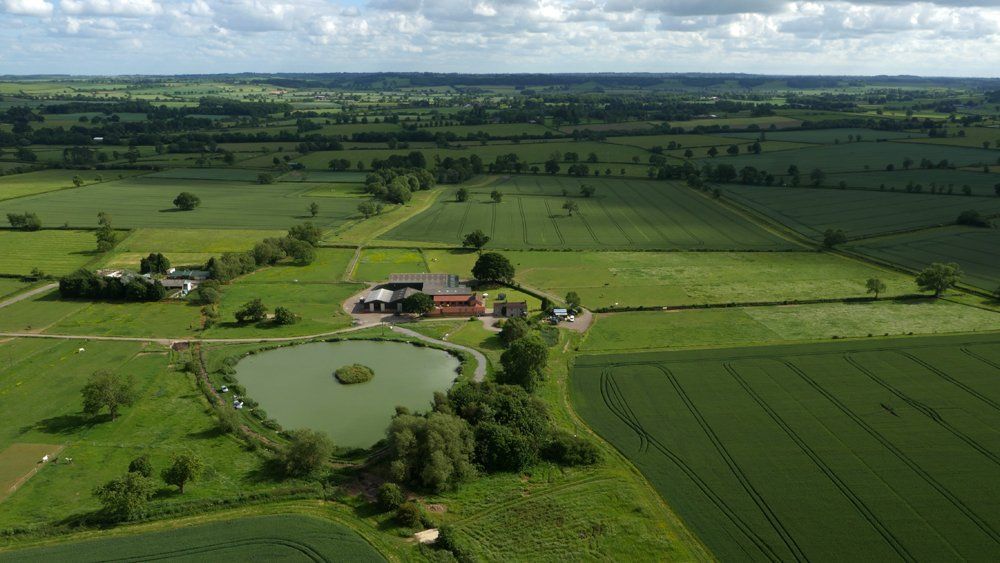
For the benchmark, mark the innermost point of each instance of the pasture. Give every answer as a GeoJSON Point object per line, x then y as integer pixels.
{"type": "Point", "coordinates": [828, 136]}
{"type": "Point", "coordinates": [55, 252]}
{"type": "Point", "coordinates": [10, 286]}
{"type": "Point", "coordinates": [952, 182]}
{"type": "Point", "coordinates": [974, 249]}
{"type": "Point", "coordinates": [860, 213]}
{"type": "Point", "coordinates": [287, 537]}
{"type": "Point", "coordinates": [20, 462]}
{"type": "Point", "coordinates": [622, 214]}
{"type": "Point", "coordinates": [147, 202]}
{"type": "Point", "coordinates": [851, 451]}
{"type": "Point", "coordinates": [737, 326]}
{"type": "Point", "coordinates": [31, 183]}
{"type": "Point", "coordinates": [41, 382]}
{"type": "Point", "coordinates": [635, 279]}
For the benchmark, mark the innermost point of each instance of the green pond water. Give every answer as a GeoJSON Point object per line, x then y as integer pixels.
{"type": "Point", "coordinates": [296, 386]}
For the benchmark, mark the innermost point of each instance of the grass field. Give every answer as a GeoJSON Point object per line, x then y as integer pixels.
{"type": "Point", "coordinates": [56, 252]}
{"type": "Point", "coordinates": [975, 250]}
{"type": "Point", "coordinates": [10, 286]}
{"type": "Point", "coordinates": [147, 202]}
{"type": "Point", "coordinates": [784, 323]}
{"type": "Point", "coordinates": [811, 211]}
{"type": "Point", "coordinates": [271, 538]}
{"type": "Point", "coordinates": [941, 181]}
{"type": "Point", "coordinates": [828, 136]}
{"type": "Point", "coordinates": [41, 381]}
{"type": "Point", "coordinates": [376, 264]}
{"type": "Point", "coordinates": [622, 214]}
{"type": "Point", "coordinates": [631, 279]}
{"type": "Point", "coordinates": [850, 451]}
{"type": "Point", "coordinates": [185, 246]}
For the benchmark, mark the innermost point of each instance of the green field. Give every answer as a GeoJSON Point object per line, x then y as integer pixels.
{"type": "Point", "coordinates": [974, 249]}
{"type": "Point", "coordinates": [271, 538]}
{"type": "Point", "coordinates": [784, 323]}
{"type": "Point", "coordinates": [376, 264]}
{"type": "Point", "coordinates": [828, 136]}
{"type": "Point", "coordinates": [941, 181]}
{"type": "Point", "coordinates": [622, 214]}
{"type": "Point", "coordinates": [851, 451]}
{"type": "Point", "coordinates": [147, 202]}
{"type": "Point", "coordinates": [634, 279]}
{"type": "Point", "coordinates": [811, 211]}
{"type": "Point", "coordinates": [31, 183]}
{"type": "Point", "coordinates": [855, 157]}
{"type": "Point", "coordinates": [9, 286]}
{"type": "Point", "coordinates": [56, 252]}
{"type": "Point", "coordinates": [41, 382]}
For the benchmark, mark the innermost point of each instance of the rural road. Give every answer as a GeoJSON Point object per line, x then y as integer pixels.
{"type": "Point", "coordinates": [28, 294]}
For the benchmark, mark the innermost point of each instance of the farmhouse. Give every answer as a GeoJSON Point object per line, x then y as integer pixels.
{"type": "Point", "coordinates": [508, 309]}
{"type": "Point", "coordinates": [450, 296]}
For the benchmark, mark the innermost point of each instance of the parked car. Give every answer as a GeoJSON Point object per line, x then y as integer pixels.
{"type": "Point", "coordinates": [571, 318]}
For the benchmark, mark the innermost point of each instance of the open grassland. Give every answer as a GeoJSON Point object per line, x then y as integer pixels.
{"type": "Point", "coordinates": [147, 202]}
{"type": "Point", "coordinates": [376, 264]}
{"type": "Point", "coordinates": [272, 538]}
{"type": "Point", "coordinates": [55, 252]}
{"type": "Point", "coordinates": [184, 246]}
{"type": "Point", "coordinates": [859, 213]}
{"type": "Point", "coordinates": [856, 157]}
{"type": "Point", "coordinates": [31, 183]}
{"type": "Point", "coordinates": [637, 279]}
{"type": "Point", "coordinates": [622, 214]}
{"type": "Point", "coordinates": [851, 451]}
{"type": "Point", "coordinates": [784, 323]}
{"type": "Point", "coordinates": [40, 397]}
{"type": "Point", "coordinates": [974, 249]}
{"type": "Point", "coordinates": [318, 306]}
{"type": "Point", "coordinates": [330, 266]}
{"type": "Point", "coordinates": [20, 462]}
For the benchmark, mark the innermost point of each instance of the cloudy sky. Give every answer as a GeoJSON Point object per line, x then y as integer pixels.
{"type": "Point", "coordinates": [940, 37]}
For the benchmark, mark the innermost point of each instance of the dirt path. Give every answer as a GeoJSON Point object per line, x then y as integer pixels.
{"type": "Point", "coordinates": [480, 372]}
{"type": "Point", "coordinates": [28, 294]}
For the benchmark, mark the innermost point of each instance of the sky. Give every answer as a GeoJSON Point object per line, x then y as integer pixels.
{"type": "Point", "coordinates": [850, 37]}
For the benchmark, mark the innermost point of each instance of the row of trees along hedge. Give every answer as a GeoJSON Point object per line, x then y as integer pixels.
{"type": "Point", "coordinates": [299, 245]}
{"type": "Point", "coordinates": [396, 185]}
{"type": "Point", "coordinates": [84, 284]}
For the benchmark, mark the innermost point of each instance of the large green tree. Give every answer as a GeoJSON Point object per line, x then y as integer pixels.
{"type": "Point", "coordinates": [477, 239]}
{"type": "Point", "coordinates": [418, 304]}
{"type": "Point", "coordinates": [307, 452]}
{"type": "Point", "coordinates": [107, 390]}
{"type": "Point", "coordinates": [523, 362]}
{"type": "Point", "coordinates": [939, 277]}
{"type": "Point", "coordinates": [126, 497]}
{"type": "Point", "coordinates": [514, 329]}
{"type": "Point", "coordinates": [433, 451]}
{"type": "Point", "coordinates": [493, 267]}
{"type": "Point", "coordinates": [184, 468]}
{"type": "Point", "coordinates": [186, 201]}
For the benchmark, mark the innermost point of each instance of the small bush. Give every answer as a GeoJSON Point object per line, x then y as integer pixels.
{"type": "Point", "coordinates": [566, 449]}
{"type": "Point", "coordinates": [141, 465]}
{"type": "Point", "coordinates": [390, 496]}
{"type": "Point", "coordinates": [354, 373]}
{"type": "Point", "coordinates": [409, 514]}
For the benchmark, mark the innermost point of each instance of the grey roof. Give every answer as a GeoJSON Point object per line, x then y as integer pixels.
{"type": "Point", "coordinates": [442, 280]}
{"type": "Point", "coordinates": [379, 294]}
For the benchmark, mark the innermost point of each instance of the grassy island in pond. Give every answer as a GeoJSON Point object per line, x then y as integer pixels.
{"type": "Point", "coordinates": [354, 373]}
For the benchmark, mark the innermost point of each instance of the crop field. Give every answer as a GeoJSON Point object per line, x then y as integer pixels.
{"type": "Point", "coordinates": [147, 202]}
{"type": "Point", "coordinates": [975, 250]}
{"type": "Point", "coordinates": [622, 214]}
{"type": "Point", "coordinates": [828, 136]}
{"type": "Point", "coordinates": [631, 279]}
{"type": "Point", "coordinates": [950, 182]}
{"type": "Point", "coordinates": [376, 264]}
{"type": "Point", "coordinates": [811, 211]}
{"type": "Point", "coordinates": [31, 183]}
{"type": "Point", "coordinates": [56, 252]}
{"type": "Point", "coordinates": [738, 326]}
{"type": "Point", "coordinates": [851, 451]}
{"type": "Point", "coordinates": [856, 157]}
{"type": "Point", "coordinates": [271, 538]}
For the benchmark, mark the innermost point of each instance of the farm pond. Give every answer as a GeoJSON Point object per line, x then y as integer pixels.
{"type": "Point", "coordinates": [296, 386]}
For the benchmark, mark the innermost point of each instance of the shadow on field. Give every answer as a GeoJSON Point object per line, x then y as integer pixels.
{"type": "Point", "coordinates": [210, 433]}
{"type": "Point", "coordinates": [171, 210]}
{"type": "Point", "coordinates": [67, 423]}
{"type": "Point", "coordinates": [270, 471]}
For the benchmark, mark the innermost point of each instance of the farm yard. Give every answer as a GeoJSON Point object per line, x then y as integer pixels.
{"type": "Point", "coordinates": [854, 450]}
{"type": "Point", "coordinates": [622, 214]}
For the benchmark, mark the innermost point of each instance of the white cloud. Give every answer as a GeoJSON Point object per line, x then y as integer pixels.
{"type": "Point", "coordinates": [38, 8]}
{"type": "Point", "coordinates": [129, 8]}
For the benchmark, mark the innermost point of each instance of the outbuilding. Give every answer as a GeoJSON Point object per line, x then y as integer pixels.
{"type": "Point", "coordinates": [507, 309]}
